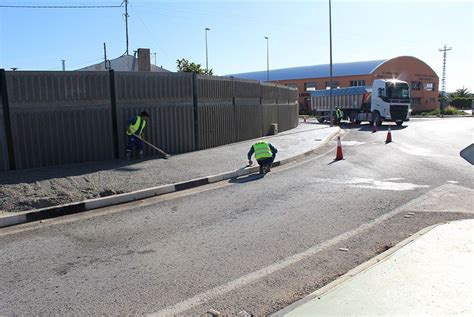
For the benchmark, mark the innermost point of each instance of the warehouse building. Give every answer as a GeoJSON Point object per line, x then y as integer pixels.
{"type": "Point", "coordinates": [421, 77]}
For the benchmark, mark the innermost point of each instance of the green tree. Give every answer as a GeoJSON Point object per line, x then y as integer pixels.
{"type": "Point", "coordinates": [183, 65]}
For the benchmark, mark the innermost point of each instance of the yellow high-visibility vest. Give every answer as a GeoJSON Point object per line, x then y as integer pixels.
{"type": "Point", "coordinates": [262, 150]}
{"type": "Point", "coordinates": [137, 127]}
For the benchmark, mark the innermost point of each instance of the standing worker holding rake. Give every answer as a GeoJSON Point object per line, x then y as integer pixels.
{"type": "Point", "coordinates": [135, 129]}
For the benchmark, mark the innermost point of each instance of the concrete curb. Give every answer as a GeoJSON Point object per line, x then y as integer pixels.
{"type": "Point", "coordinates": [90, 204]}
{"type": "Point", "coordinates": [355, 271]}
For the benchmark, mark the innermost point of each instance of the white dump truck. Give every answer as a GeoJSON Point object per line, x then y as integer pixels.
{"type": "Point", "coordinates": [387, 100]}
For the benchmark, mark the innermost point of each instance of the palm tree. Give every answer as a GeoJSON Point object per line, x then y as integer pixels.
{"type": "Point", "coordinates": [461, 93]}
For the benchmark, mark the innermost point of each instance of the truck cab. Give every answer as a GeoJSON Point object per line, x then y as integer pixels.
{"type": "Point", "coordinates": [390, 101]}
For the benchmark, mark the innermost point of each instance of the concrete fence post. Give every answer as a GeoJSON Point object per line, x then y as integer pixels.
{"type": "Point", "coordinates": [113, 107]}
{"type": "Point", "coordinates": [237, 131]}
{"type": "Point", "coordinates": [196, 112]}
{"type": "Point", "coordinates": [7, 119]}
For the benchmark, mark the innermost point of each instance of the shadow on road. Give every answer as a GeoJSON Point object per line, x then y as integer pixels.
{"type": "Point", "coordinates": [368, 127]}
{"type": "Point", "coordinates": [334, 161]}
{"type": "Point", "coordinates": [246, 179]}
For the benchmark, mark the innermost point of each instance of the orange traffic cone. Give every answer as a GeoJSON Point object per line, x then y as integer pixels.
{"type": "Point", "coordinates": [374, 127]}
{"type": "Point", "coordinates": [389, 136]}
{"type": "Point", "coordinates": [339, 150]}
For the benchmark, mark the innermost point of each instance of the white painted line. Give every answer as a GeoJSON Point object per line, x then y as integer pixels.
{"type": "Point", "coordinates": [199, 299]}
{"type": "Point", "coordinates": [164, 189]}
{"type": "Point", "coordinates": [128, 197]}
{"type": "Point", "coordinates": [215, 178]}
{"type": "Point", "coordinates": [244, 171]}
{"type": "Point", "coordinates": [12, 220]}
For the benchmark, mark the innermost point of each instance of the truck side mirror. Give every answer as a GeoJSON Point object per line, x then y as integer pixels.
{"type": "Point", "coordinates": [381, 92]}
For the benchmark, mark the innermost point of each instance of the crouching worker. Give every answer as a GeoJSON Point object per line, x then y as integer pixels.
{"type": "Point", "coordinates": [135, 129]}
{"type": "Point", "coordinates": [265, 154]}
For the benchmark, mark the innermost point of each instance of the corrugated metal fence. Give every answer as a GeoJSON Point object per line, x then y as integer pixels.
{"type": "Point", "coordinates": [71, 117]}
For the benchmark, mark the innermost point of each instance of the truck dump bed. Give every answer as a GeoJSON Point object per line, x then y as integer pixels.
{"type": "Point", "coordinates": [345, 98]}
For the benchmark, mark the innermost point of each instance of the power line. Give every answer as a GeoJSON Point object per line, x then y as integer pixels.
{"type": "Point", "coordinates": [61, 7]}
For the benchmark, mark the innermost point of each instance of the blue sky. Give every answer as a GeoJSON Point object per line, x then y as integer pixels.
{"type": "Point", "coordinates": [38, 39]}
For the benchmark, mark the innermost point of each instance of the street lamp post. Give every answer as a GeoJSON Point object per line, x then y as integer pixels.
{"type": "Point", "coordinates": [268, 61]}
{"type": "Point", "coordinates": [330, 69]}
{"type": "Point", "coordinates": [207, 62]}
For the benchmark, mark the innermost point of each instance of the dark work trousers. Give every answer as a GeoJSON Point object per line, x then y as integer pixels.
{"type": "Point", "coordinates": [133, 141]}
{"type": "Point", "coordinates": [266, 162]}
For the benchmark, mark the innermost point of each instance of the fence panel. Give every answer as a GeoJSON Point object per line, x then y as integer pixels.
{"type": "Point", "coordinates": [288, 116]}
{"type": "Point", "coordinates": [247, 89]}
{"type": "Point", "coordinates": [248, 116]}
{"type": "Point", "coordinates": [216, 113]}
{"type": "Point", "coordinates": [168, 100]}
{"type": "Point", "coordinates": [216, 122]}
{"type": "Point", "coordinates": [60, 117]}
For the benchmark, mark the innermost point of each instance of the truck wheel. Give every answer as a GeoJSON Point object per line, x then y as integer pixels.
{"type": "Point", "coordinates": [353, 117]}
{"type": "Point", "coordinates": [399, 123]}
{"type": "Point", "coordinates": [320, 120]}
{"type": "Point", "coordinates": [377, 120]}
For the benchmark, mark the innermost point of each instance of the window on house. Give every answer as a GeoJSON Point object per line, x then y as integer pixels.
{"type": "Point", "coordinates": [415, 101]}
{"type": "Point", "coordinates": [335, 84]}
{"type": "Point", "coordinates": [357, 83]}
{"type": "Point", "coordinates": [416, 85]}
{"type": "Point", "coordinates": [309, 86]}
{"type": "Point", "coordinates": [292, 85]}
{"type": "Point", "coordinates": [429, 86]}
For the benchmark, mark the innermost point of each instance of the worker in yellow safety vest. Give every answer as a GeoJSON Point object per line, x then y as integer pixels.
{"type": "Point", "coordinates": [265, 154]}
{"type": "Point", "coordinates": [135, 129]}
{"type": "Point", "coordinates": [338, 115]}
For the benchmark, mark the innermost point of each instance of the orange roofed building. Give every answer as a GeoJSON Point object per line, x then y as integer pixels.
{"type": "Point", "coordinates": [422, 79]}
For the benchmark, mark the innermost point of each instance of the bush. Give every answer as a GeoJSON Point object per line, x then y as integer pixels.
{"type": "Point", "coordinates": [434, 112]}
{"type": "Point", "coordinates": [450, 110]}
{"type": "Point", "coordinates": [461, 103]}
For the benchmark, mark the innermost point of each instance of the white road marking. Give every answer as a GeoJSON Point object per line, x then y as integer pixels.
{"type": "Point", "coordinates": [452, 182]}
{"type": "Point", "coordinates": [352, 143]}
{"type": "Point", "coordinates": [204, 297]}
{"type": "Point", "coordinates": [416, 150]}
{"type": "Point", "coordinates": [371, 183]}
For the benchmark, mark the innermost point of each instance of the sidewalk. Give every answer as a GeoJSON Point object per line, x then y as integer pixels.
{"type": "Point", "coordinates": [429, 274]}
{"type": "Point", "coordinates": [39, 188]}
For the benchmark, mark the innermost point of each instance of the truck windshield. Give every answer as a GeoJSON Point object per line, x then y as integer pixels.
{"type": "Point", "coordinates": [398, 91]}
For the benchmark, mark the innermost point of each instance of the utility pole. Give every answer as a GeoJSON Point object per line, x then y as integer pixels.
{"type": "Point", "coordinates": [443, 79]}
{"type": "Point", "coordinates": [105, 56]}
{"type": "Point", "coordinates": [126, 24]}
{"type": "Point", "coordinates": [331, 116]}
{"type": "Point", "coordinates": [64, 64]}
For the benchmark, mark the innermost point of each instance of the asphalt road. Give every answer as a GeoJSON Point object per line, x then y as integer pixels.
{"type": "Point", "coordinates": [254, 244]}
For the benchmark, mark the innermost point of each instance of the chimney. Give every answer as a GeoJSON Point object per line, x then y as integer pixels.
{"type": "Point", "coordinates": [144, 60]}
